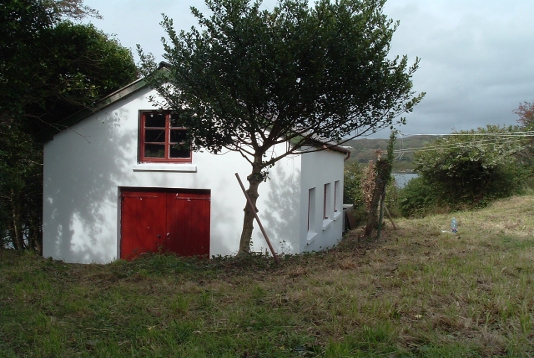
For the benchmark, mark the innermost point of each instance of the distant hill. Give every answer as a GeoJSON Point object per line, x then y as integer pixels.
{"type": "Point", "coordinates": [365, 149]}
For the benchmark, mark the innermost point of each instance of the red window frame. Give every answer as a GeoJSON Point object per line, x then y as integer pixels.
{"type": "Point", "coordinates": [157, 138]}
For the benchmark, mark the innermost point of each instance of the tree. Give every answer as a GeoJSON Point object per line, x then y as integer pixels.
{"type": "Point", "coordinates": [57, 68]}
{"type": "Point", "coordinates": [525, 111]}
{"type": "Point", "coordinates": [249, 79]}
{"type": "Point", "coordinates": [49, 68]}
{"type": "Point", "coordinates": [20, 188]}
{"type": "Point", "coordinates": [28, 28]}
{"type": "Point", "coordinates": [382, 170]}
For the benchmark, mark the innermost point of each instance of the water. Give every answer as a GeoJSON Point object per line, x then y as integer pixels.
{"type": "Point", "coordinates": [402, 178]}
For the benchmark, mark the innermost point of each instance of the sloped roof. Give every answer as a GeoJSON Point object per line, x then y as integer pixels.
{"type": "Point", "coordinates": [86, 112]}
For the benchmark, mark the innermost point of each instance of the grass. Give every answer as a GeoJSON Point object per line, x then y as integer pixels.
{"type": "Point", "coordinates": [416, 292]}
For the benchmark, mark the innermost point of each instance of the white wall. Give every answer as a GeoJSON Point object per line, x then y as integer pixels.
{"type": "Point", "coordinates": [320, 168]}
{"type": "Point", "coordinates": [85, 166]}
{"type": "Point", "coordinates": [278, 206]}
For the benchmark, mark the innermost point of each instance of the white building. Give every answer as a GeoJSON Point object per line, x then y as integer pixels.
{"type": "Point", "coordinates": [110, 191]}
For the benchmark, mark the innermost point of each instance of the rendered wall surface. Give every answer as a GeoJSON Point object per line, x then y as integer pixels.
{"type": "Point", "coordinates": [320, 168]}
{"type": "Point", "coordinates": [85, 167]}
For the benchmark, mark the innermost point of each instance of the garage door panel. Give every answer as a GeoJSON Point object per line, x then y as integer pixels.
{"type": "Point", "coordinates": [188, 220]}
{"type": "Point", "coordinates": [143, 229]}
{"type": "Point", "coordinates": [165, 221]}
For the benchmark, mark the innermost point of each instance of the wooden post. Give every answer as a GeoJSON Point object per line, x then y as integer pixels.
{"type": "Point", "coordinates": [390, 217]}
{"type": "Point", "coordinates": [253, 208]}
{"type": "Point", "coordinates": [381, 214]}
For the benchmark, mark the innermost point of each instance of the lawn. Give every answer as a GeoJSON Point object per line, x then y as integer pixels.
{"type": "Point", "coordinates": [419, 291]}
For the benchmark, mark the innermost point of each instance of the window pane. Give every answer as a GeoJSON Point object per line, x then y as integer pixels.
{"type": "Point", "coordinates": [311, 210]}
{"type": "Point", "coordinates": [178, 136]}
{"type": "Point", "coordinates": [336, 194]}
{"type": "Point", "coordinates": [155, 135]}
{"type": "Point", "coordinates": [155, 120]}
{"type": "Point", "coordinates": [177, 151]}
{"type": "Point", "coordinates": [174, 121]}
{"type": "Point", "coordinates": [154, 151]}
{"type": "Point", "coordinates": [326, 202]}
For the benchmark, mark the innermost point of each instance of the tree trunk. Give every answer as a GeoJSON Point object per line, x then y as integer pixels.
{"type": "Point", "coordinates": [16, 229]}
{"type": "Point", "coordinates": [36, 236]}
{"type": "Point", "coordinates": [254, 180]}
{"type": "Point", "coordinates": [372, 216]}
{"type": "Point", "coordinates": [383, 172]}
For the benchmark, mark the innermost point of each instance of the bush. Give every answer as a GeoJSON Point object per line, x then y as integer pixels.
{"type": "Point", "coordinates": [352, 190]}
{"type": "Point", "coordinates": [417, 198]}
{"type": "Point", "coordinates": [466, 171]}
{"type": "Point", "coordinates": [353, 193]}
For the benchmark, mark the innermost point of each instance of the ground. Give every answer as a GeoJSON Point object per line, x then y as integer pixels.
{"type": "Point", "coordinates": [419, 291]}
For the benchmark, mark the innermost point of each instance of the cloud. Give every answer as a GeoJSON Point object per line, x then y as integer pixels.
{"type": "Point", "coordinates": [476, 61]}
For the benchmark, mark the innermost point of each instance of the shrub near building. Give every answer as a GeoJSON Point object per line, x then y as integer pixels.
{"type": "Point", "coordinates": [467, 169]}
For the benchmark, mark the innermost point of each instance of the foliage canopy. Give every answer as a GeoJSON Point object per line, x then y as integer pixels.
{"type": "Point", "coordinates": [54, 67]}
{"type": "Point", "coordinates": [293, 71]}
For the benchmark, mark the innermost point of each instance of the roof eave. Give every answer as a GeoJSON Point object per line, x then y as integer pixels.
{"type": "Point", "coordinates": [107, 101]}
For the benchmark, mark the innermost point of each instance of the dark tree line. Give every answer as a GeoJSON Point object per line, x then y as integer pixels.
{"type": "Point", "coordinates": [50, 66]}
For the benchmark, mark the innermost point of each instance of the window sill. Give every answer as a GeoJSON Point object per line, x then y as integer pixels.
{"type": "Point", "coordinates": [166, 167]}
{"type": "Point", "coordinates": [310, 237]}
{"type": "Point", "coordinates": [327, 223]}
{"type": "Point", "coordinates": [337, 215]}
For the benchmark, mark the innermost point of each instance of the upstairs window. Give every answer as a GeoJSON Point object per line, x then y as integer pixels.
{"type": "Point", "coordinates": [161, 139]}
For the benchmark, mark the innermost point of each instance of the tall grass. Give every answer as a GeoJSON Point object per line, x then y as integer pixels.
{"type": "Point", "coordinates": [418, 292]}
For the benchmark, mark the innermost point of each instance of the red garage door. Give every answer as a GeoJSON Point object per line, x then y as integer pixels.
{"type": "Point", "coordinates": [165, 221]}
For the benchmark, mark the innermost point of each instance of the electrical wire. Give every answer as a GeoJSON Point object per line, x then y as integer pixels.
{"type": "Point", "coordinates": [497, 139]}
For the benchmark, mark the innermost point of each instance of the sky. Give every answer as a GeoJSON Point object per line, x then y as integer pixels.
{"type": "Point", "coordinates": [476, 56]}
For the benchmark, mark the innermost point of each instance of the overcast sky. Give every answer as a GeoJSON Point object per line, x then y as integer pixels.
{"type": "Point", "coordinates": [477, 56]}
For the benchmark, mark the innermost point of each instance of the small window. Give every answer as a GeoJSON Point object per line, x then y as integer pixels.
{"type": "Point", "coordinates": [326, 202]}
{"type": "Point", "coordinates": [161, 139]}
{"type": "Point", "coordinates": [311, 209]}
{"type": "Point", "coordinates": [336, 197]}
